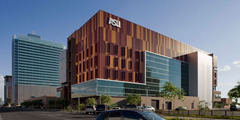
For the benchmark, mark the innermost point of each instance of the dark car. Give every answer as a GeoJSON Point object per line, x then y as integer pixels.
{"type": "Point", "coordinates": [181, 108]}
{"type": "Point", "coordinates": [90, 109]}
{"type": "Point", "coordinates": [128, 115]}
{"type": "Point", "coordinates": [131, 107]}
{"type": "Point", "coordinates": [233, 107]}
{"type": "Point", "coordinates": [101, 108]}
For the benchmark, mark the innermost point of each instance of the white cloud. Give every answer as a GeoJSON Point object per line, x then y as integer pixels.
{"type": "Point", "coordinates": [236, 63]}
{"type": "Point", "coordinates": [224, 68]}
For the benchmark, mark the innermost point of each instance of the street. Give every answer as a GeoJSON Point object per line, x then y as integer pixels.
{"type": "Point", "coordinates": [42, 115]}
{"type": "Point", "coordinates": [28, 114]}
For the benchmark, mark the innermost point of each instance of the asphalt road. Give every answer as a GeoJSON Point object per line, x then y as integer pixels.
{"type": "Point", "coordinates": [42, 115]}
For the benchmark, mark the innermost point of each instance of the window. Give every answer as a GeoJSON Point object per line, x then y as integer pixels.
{"type": "Point", "coordinates": [130, 53]}
{"type": "Point", "coordinates": [192, 105]}
{"type": "Point", "coordinates": [96, 73]}
{"type": "Point", "coordinates": [87, 64]}
{"type": "Point", "coordinates": [137, 77]}
{"type": "Point", "coordinates": [130, 76]}
{"type": "Point", "coordinates": [115, 74]}
{"type": "Point", "coordinates": [137, 66]}
{"type": "Point", "coordinates": [91, 50]}
{"type": "Point", "coordinates": [87, 75]}
{"type": "Point", "coordinates": [137, 56]}
{"type": "Point", "coordinates": [83, 66]}
{"type": "Point", "coordinates": [77, 69]}
{"type": "Point", "coordinates": [142, 56]}
{"type": "Point", "coordinates": [107, 60]}
{"type": "Point", "coordinates": [96, 61]}
{"type": "Point", "coordinates": [123, 63]}
{"type": "Point", "coordinates": [83, 77]}
{"type": "Point", "coordinates": [83, 55]}
{"type": "Point", "coordinates": [91, 63]}
{"type": "Point", "coordinates": [122, 75]}
{"type": "Point", "coordinates": [115, 62]}
{"type": "Point", "coordinates": [129, 64]}
{"type": "Point", "coordinates": [76, 58]}
{"type": "Point", "coordinates": [107, 73]}
{"type": "Point", "coordinates": [91, 75]}
{"type": "Point", "coordinates": [115, 49]}
{"type": "Point", "coordinates": [80, 56]}
{"type": "Point", "coordinates": [123, 51]}
{"type": "Point", "coordinates": [80, 78]}
{"type": "Point", "coordinates": [96, 48]}
{"type": "Point", "coordinates": [87, 52]}
{"type": "Point", "coordinates": [80, 67]}
{"type": "Point", "coordinates": [108, 48]}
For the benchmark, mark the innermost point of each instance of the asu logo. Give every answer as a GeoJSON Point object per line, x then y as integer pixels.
{"type": "Point", "coordinates": [114, 22]}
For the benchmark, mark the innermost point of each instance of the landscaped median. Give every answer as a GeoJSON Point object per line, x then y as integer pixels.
{"type": "Point", "coordinates": [196, 117]}
{"type": "Point", "coordinates": [179, 115]}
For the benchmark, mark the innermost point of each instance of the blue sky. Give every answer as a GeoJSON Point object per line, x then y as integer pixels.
{"type": "Point", "coordinates": [211, 25]}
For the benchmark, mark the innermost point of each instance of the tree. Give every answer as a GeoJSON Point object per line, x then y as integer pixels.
{"type": "Point", "coordinates": [234, 93]}
{"type": "Point", "coordinates": [203, 105]}
{"type": "Point", "coordinates": [80, 107]}
{"type": "Point", "coordinates": [220, 105]}
{"type": "Point", "coordinates": [91, 101]}
{"type": "Point", "coordinates": [133, 99]}
{"type": "Point", "coordinates": [52, 103]}
{"type": "Point", "coordinates": [61, 103]}
{"type": "Point", "coordinates": [105, 99]}
{"type": "Point", "coordinates": [170, 92]}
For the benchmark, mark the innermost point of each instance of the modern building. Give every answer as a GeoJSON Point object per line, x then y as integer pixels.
{"type": "Point", "coordinates": [8, 85]}
{"type": "Point", "coordinates": [63, 90]}
{"type": "Point", "coordinates": [113, 56]}
{"type": "Point", "coordinates": [35, 67]}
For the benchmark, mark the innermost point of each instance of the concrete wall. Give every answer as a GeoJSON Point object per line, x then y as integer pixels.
{"type": "Point", "coordinates": [26, 92]}
{"type": "Point", "coordinates": [186, 102]}
{"type": "Point", "coordinates": [205, 86]}
{"type": "Point", "coordinates": [200, 76]}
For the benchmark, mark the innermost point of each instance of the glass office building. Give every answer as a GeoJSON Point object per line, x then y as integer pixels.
{"type": "Point", "coordinates": [158, 70]}
{"type": "Point", "coordinates": [36, 65]}
{"type": "Point", "coordinates": [134, 55]}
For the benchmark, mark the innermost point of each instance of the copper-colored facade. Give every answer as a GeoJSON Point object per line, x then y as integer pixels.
{"type": "Point", "coordinates": [101, 50]}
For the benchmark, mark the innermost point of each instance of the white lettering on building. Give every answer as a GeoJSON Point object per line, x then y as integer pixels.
{"type": "Point", "coordinates": [114, 22]}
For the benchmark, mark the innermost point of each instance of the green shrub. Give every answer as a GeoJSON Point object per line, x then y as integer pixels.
{"type": "Point", "coordinates": [69, 108]}
{"type": "Point", "coordinates": [80, 107]}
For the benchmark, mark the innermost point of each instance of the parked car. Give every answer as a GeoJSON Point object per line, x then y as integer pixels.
{"type": "Point", "coordinates": [116, 108]}
{"type": "Point", "coordinates": [90, 109]}
{"type": "Point", "coordinates": [140, 107]}
{"type": "Point", "coordinates": [101, 108]}
{"type": "Point", "coordinates": [149, 108]}
{"type": "Point", "coordinates": [129, 114]}
{"type": "Point", "coordinates": [181, 108]}
{"type": "Point", "coordinates": [130, 107]}
{"type": "Point", "coordinates": [233, 107]}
